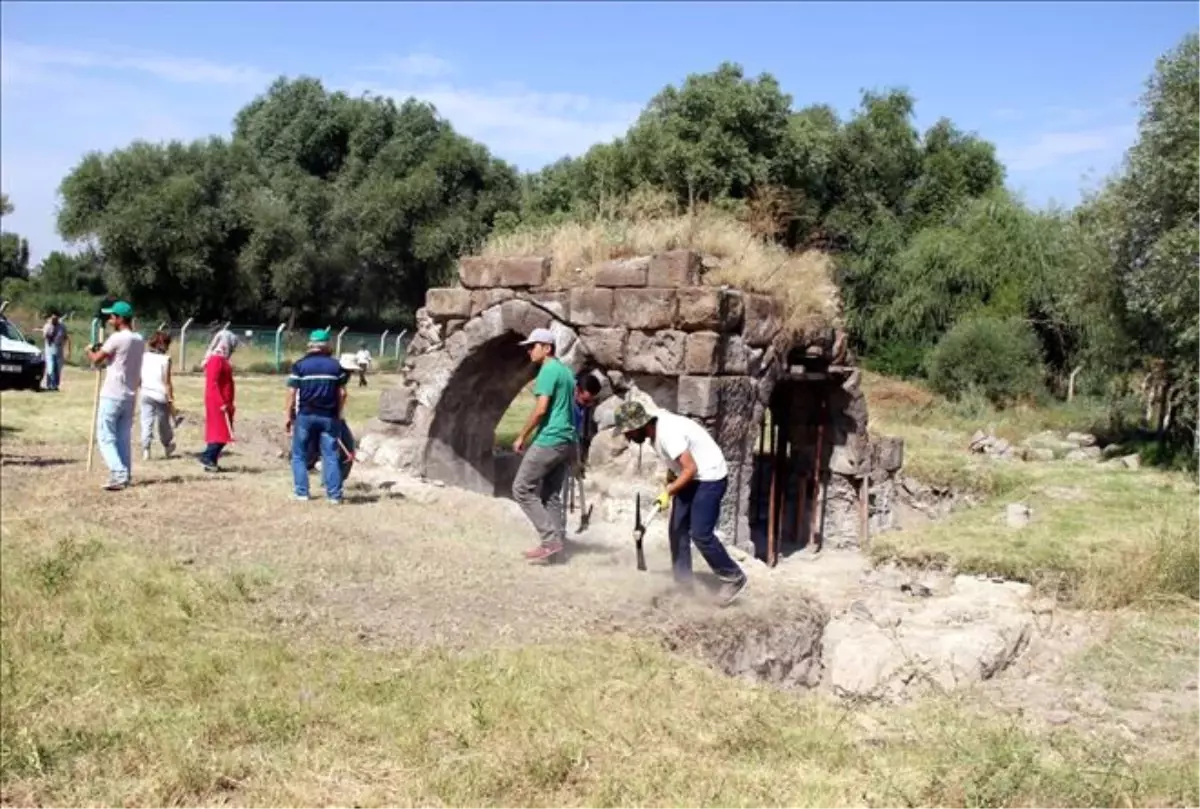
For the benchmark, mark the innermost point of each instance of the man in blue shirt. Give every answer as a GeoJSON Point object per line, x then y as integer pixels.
{"type": "Point", "coordinates": [316, 397]}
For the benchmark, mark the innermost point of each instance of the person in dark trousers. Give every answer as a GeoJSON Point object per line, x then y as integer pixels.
{"type": "Point", "coordinates": [538, 486]}
{"type": "Point", "coordinates": [362, 361]}
{"type": "Point", "coordinates": [219, 393]}
{"type": "Point", "coordinates": [315, 401]}
{"type": "Point", "coordinates": [57, 348]}
{"type": "Point", "coordinates": [700, 479]}
{"type": "Point", "coordinates": [587, 390]}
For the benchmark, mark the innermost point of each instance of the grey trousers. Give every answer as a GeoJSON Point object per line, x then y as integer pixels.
{"type": "Point", "coordinates": [156, 413]}
{"type": "Point", "coordinates": [538, 490]}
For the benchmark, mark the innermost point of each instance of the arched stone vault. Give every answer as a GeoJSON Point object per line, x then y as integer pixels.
{"type": "Point", "coordinates": [719, 355]}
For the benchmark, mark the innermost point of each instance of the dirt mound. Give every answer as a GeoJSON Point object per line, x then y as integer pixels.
{"type": "Point", "coordinates": [781, 648]}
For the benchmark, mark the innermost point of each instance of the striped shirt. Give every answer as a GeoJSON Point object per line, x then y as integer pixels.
{"type": "Point", "coordinates": [317, 377]}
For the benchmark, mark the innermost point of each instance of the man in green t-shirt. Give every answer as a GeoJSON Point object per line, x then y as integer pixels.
{"type": "Point", "coordinates": [538, 485]}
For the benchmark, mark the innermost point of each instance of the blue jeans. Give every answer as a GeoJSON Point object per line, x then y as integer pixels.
{"type": "Point", "coordinates": [694, 519]}
{"type": "Point", "coordinates": [211, 454]}
{"type": "Point", "coordinates": [325, 430]}
{"type": "Point", "coordinates": [54, 363]}
{"type": "Point", "coordinates": [114, 435]}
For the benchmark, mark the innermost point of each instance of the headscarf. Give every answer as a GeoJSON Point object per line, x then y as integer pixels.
{"type": "Point", "coordinates": [223, 344]}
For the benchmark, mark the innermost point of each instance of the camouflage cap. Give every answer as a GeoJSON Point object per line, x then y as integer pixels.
{"type": "Point", "coordinates": [630, 416]}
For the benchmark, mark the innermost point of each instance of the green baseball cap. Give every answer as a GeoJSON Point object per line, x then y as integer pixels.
{"type": "Point", "coordinates": [319, 336]}
{"type": "Point", "coordinates": [120, 309]}
{"type": "Point", "coordinates": [630, 416]}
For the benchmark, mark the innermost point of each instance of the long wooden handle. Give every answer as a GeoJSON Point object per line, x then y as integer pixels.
{"type": "Point", "coordinates": [95, 416]}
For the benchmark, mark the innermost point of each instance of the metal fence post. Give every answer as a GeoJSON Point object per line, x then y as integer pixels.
{"type": "Point", "coordinates": [279, 347]}
{"type": "Point", "coordinates": [399, 337]}
{"type": "Point", "coordinates": [95, 329]}
{"type": "Point", "coordinates": [183, 346]}
{"type": "Point", "coordinates": [338, 349]}
{"type": "Point", "coordinates": [383, 342]}
{"type": "Point", "coordinates": [3, 306]}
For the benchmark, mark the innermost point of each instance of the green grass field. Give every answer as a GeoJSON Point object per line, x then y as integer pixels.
{"type": "Point", "coordinates": [164, 647]}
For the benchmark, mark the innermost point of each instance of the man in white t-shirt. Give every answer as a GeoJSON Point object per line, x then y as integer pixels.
{"type": "Point", "coordinates": [58, 346]}
{"type": "Point", "coordinates": [700, 479]}
{"type": "Point", "coordinates": [363, 361]}
{"type": "Point", "coordinates": [114, 418]}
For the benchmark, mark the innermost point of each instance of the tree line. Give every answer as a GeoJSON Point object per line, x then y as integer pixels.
{"type": "Point", "coordinates": [321, 206]}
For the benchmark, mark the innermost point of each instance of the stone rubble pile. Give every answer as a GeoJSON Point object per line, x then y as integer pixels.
{"type": "Point", "coordinates": [1052, 446]}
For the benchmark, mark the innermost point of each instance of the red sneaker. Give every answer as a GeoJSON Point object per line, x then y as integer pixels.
{"type": "Point", "coordinates": [544, 553]}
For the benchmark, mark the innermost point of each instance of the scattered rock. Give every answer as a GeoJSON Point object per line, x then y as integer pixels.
{"type": "Point", "coordinates": [965, 637]}
{"type": "Point", "coordinates": [1089, 453]}
{"type": "Point", "coordinates": [916, 589]}
{"type": "Point", "coordinates": [986, 444]}
{"type": "Point", "coordinates": [1017, 515]}
{"type": "Point", "coordinates": [1133, 461]}
{"type": "Point", "coordinates": [1112, 451]}
{"type": "Point", "coordinates": [1037, 454]}
{"type": "Point", "coordinates": [1082, 439]}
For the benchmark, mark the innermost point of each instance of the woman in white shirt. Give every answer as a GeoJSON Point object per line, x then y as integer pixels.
{"type": "Point", "coordinates": [158, 395]}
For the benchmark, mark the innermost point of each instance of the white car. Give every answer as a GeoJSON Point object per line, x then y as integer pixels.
{"type": "Point", "coordinates": [22, 364]}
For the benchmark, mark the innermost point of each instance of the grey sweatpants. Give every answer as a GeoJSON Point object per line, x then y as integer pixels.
{"type": "Point", "coordinates": [538, 489]}
{"type": "Point", "coordinates": [156, 413]}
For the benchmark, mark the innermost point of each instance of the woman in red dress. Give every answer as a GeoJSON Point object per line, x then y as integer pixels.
{"type": "Point", "coordinates": [218, 399]}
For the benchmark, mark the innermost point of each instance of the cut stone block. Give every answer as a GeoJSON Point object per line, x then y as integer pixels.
{"type": "Point", "coordinates": [655, 352]}
{"type": "Point", "coordinates": [591, 306]}
{"type": "Point", "coordinates": [674, 268]}
{"type": "Point", "coordinates": [644, 308]}
{"type": "Point", "coordinates": [445, 303]}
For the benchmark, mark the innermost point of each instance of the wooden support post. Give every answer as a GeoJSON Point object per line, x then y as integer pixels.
{"type": "Point", "coordinates": [781, 469]}
{"type": "Point", "coordinates": [757, 479]}
{"type": "Point", "coordinates": [864, 512]}
{"type": "Point", "coordinates": [818, 503]}
{"type": "Point", "coordinates": [772, 511]}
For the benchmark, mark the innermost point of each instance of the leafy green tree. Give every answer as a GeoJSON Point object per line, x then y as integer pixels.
{"type": "Point", "coordinates": [718, 135]}
{"type": "Point", "coordinates": [319, 206]}
{"type": "Point", "coordinates": [1158, 209]}
{"type": "Point", "coordinates": [14, 256]}
{"type": "Point", "coordinates": [998, 358]}
{"type": "Point", "coordinates": [14, 250]}
{"type": "Point", "coordinates": [1145, 226]}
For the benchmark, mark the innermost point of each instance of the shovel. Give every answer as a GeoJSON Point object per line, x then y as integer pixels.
{"type": "Point", "coordinates": [639, 529]}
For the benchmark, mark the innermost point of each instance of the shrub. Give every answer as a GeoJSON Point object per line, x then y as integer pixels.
{"type": "Point", "coordinates": [998, 359]}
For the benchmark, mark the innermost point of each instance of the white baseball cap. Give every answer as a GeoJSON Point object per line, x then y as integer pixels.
{"type": "Point", "coordinates": [544, 336]}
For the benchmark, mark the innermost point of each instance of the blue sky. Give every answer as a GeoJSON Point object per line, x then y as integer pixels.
{"type": "Point", "coordinates": [1052, 84]}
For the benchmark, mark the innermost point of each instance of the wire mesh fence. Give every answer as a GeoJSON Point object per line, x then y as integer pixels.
{"type": "Point", "coordinates": [261, 348]}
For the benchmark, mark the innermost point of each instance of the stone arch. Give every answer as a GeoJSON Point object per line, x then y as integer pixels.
{"type": "Point", "coordinates": [460, 385]}
{"type": "Point", "coordinates": [718, 355]}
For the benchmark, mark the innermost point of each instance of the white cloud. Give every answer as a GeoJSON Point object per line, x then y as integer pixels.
{"type": "Point", "coordinates": [413, 66]}
{"type": "Point", "coordinates": [1050, 149]}
{"type": "Point", "coordinates": [24, 62]}
{"type": "Point", "coordinates": [528, 127]}
{"type": "Point", "coordinates": [59, 103]}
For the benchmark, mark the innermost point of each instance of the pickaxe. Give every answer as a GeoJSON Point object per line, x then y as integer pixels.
{"type": "Point", "coordinates": [639, 529]}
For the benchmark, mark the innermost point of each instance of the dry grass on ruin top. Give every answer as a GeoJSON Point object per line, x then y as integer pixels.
{"type": "Point", "coordinates": [803, 281]}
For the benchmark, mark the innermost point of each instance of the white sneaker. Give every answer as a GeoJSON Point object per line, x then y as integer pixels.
{"type": "Point", "coordinates": [145, 455]}
{"type": "Point", "coordinates": [300, 498]}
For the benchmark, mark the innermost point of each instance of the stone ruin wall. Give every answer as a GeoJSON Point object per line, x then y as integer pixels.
{"type": "Point", "coordinates": [645, 324]}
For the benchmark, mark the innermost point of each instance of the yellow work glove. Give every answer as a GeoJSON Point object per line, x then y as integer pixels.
{"type": "Point", "coordinates": [663, 501]}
